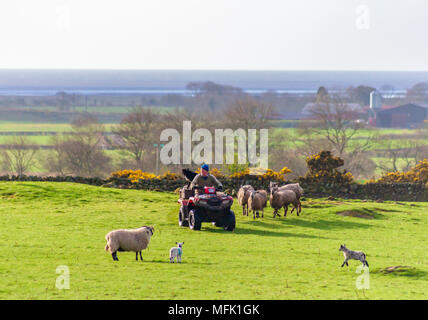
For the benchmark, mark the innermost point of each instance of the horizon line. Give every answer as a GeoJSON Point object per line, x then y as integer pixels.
{"type": "Point", "coordinates": [207, 70]}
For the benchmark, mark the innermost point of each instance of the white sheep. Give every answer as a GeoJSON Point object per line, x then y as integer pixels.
{"type": "Point", "coordinates": [281, 199]}
{"type": "Point", "coordinates": [243, 195]}
{"type": "Point", "coordinates": [257, 202]}
{"type": "Point", "coordinates": [176, 252]}
{"type": "Point", "coordinates": [128, 240]}
{"type": "Point", "coordinates": [298, 190]}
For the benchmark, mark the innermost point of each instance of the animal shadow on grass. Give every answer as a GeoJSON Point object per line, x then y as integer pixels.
{"type": "Point", "coordinates": [386, 210]}
{"type": "Point", "coordinates": [183, 262]}
{"type": "Point", "coordinates": [409, 272]}
{"type": "Point", "coordinates": [262, 224]}
{"type": "Point", "coordinates": [324, 224]}
{"type": "Point", "coordinates": [268, 233]}
{"type": "Point", "coordinates": [318, 206]}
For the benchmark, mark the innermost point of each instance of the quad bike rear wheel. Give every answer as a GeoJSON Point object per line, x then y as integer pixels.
{"type": "Point", "coordinates": [182, 222]}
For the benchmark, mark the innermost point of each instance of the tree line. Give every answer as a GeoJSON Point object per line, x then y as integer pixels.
{"type": "Point", "coordinates": [333, 125]}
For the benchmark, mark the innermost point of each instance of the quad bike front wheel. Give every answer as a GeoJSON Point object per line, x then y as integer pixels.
{"type": "Point", "coordinates": [195, 222]}
{"type": "Point", "coordinates": [230, 221]}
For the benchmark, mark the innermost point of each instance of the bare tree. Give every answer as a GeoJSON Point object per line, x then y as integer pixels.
{"type": "Point", "coordinates": [402, 154]}
{"type": "Point", "coordinates": [80, 153]}
{"type": "Point", "coordinates": [137, 133]}
{"type": "Point", "coordinates": [335, 122]}
{"type": "Point", "coordinates": [419, 92]}
{"type": "Point", "coordinates": [335, 126]}
{"type": "Point", "coordinates": [248, 114]}
{"type": "Point", "coordinates": [19, 155]}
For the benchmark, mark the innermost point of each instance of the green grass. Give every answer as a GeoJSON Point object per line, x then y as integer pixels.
{"type": "Point", "coordinates": [33, 139]}
{"type": "Point", "coordinates": [40, 127]}
{"type": "Point", "coordinates": [45, 225]}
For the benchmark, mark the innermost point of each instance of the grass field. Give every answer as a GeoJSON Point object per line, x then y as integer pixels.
{"type": "Point", "coordinates": [45, 225]}
{"type": "Point", "coordinates": [40, 127]}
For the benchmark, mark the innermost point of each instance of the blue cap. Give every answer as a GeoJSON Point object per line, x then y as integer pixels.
{"type": "Point", "coordinates": [205, 167]}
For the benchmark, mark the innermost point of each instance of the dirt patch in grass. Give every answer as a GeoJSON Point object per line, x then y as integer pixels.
{"type": "Point", "coordinates": [8, 195]}
{"type": "Point", "coordinates": [396, 269]}
{"type": "Point", "coordinates": [355, 214]}
{"type": "Point", "coordinates": [364, 213]}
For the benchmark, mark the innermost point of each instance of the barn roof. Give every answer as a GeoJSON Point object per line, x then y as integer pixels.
{"type": "Point", "coordinates": [404, 106]}
{"type": "Point", "coordinates": [310, 107]}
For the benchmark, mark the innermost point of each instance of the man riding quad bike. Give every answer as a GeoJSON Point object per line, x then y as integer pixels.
{"type": "Point", "coordinates": [200, 202]}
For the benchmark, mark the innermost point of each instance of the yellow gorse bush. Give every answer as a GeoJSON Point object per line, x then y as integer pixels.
{"type": "Point", "coordinates": [323, 169]}
{"type": "Point", "coordinates": [136, 175]}
{"type": "Point", "coordinates": [268, 174]}
{"type": "Point", "coordinates": [241, 174]}
{"type": "Point", "coordinates": [419, 173]}
{"type": "Point", "coordinates": [168, 175]}
{"type": "Point", "coordinates": [217, 173]}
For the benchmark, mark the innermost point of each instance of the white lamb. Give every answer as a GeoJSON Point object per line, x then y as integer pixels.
{"type": "Point", "coordinates": [176, 252]}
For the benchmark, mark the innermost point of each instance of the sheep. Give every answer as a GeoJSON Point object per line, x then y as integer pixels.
{"type": "Point", "coordinates": [281, 199]}
{"type": "Point", "coordinates": [243, 194]}
{"type": "Point", "coordinates": [265, 196]}
{"type": "Point", "coordinates": [176, 252]}
{"type": "Point", "coordinates": [353, 255]}
{"type": "Point", "coordinates": [128, 240]}
{"type": "Point", "coordinates": [298, 190]}
{"type": "Point", "coordinates": [257, 201]}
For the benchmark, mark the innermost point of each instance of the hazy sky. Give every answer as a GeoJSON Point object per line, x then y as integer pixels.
{"type": "Point", "coordinates": [215, 34]}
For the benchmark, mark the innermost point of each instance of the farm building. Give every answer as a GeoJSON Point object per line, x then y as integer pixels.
{"type": "Point", "coordinates": [404, 116]}
{"type": "Point", "coordinates": [312, 109]}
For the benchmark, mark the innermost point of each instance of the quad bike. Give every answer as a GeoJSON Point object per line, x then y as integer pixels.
{"type": "Point", "coordinates": [205, 205]}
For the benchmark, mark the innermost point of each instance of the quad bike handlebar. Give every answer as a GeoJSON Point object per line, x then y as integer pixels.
{"type": "Point", "coordinates": [219, 188]}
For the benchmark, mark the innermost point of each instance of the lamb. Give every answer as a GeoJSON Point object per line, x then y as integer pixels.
{"type": "Point", "coordinates": [176, 252]}
{"type": "Point", "coordinates": [353, 255]}
{"type": "Point", "coordinates": [257, 201]}
{"type": "Point", "coordinates": [298, 190]}
{"type": "Point", "coordinates": [281, 199]}
{"type": "Point", "coordinates": [243, 195]}
{"type": "Point", "coordinates": [128, 240]}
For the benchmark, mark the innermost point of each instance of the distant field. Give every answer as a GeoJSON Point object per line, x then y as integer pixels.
{"type": "Point", "coordinates": [34, 127]}
{"type": "Point", "coordinates": [39, 166]}
{"type": "Point", "coordinates": [278, 136]}
{"type": "Point", "coordinates": [39, 127]}
{"type": "Point", "coordinates": [46, 225]}
{"type": "Point", "coordinates": [92, 109]}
